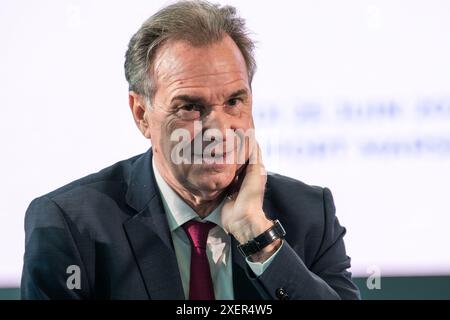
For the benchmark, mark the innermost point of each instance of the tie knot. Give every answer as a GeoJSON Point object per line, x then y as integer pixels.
{"type": "Point", "coordinates": [197, 232]}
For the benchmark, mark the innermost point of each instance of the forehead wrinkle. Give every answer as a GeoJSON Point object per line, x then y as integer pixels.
{"type": "Point", "coordinates": [201, 86]}
{"type": "Point", "coordinates": [208, 91]}
{"type": "Point", "coordinates": [168, 66]}
{"type": "Point", "coordinates": [206, 75]}
{"type": "Point", "coordinates": [179, 58]}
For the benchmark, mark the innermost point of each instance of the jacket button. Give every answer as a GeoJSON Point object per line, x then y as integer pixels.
{"type": "Point", "coordinates": [281, 294]}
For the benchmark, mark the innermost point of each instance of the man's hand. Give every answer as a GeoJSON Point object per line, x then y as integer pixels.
{"type": "Point", "coordinates": [242, 213]}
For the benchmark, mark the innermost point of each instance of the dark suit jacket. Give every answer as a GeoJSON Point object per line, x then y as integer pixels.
{"type": "Point", "coordinates": [113, 226]}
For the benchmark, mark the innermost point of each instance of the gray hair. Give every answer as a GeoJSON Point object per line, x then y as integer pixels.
{"type": "Point", "coordinates": [198, 22]}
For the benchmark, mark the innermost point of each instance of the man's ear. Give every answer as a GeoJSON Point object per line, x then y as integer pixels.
{"type": "Point", "coordinates": [140, 112]}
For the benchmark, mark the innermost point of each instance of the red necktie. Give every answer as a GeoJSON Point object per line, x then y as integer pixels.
{"type": "Point", "coordinates": [200, 283]}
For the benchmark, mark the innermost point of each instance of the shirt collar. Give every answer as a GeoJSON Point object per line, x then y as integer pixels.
{"type": "Point", "coordinates": [179, 212]}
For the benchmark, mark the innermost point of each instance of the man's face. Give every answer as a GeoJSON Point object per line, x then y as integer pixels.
{"type": "Point", "coordinates": [207, 85]}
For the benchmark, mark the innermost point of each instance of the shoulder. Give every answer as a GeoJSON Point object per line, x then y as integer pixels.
{"type": "Point", "coordinates": [117, 173]}
{"type": "Point", "coordinates": [279, 186]}
{"type": "Point", "coordinates": [101, 193]}
{"type": "Point", "coordinates": [305, 208]}
{"type": "Point", "coordinates": [296, 200]}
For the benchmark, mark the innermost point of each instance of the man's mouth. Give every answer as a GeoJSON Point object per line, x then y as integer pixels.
{"type": "Point", "coordinates": [213, 158]}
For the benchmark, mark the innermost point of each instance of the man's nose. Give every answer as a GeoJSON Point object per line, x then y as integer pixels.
{"type": "Point", "coordinates": [217, 121]}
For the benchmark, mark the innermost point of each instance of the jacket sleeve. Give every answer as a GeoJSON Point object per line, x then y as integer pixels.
{"type": "Point", "coordinates": [52, 267]}
{"type": "Point", "coordinates": [288, 277]}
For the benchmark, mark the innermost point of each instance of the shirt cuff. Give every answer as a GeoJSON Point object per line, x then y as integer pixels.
{"type": "Point", "coordinates": [259, 267]}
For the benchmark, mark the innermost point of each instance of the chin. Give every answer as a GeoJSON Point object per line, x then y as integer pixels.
{"type": "Point", "coordinates": [213, 182]}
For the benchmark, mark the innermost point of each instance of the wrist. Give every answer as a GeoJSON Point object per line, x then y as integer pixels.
{"type": "Point", "coordinates": [250, 227]}
{"type": "Point", "coordinates": [266, 252]}
{"type": "Point", "coordinates": [261, 247]}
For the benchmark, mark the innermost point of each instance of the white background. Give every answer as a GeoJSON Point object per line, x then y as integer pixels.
{"type": "Point", "coordinates": [64, 113]}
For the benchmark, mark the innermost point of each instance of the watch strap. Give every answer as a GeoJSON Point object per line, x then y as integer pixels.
{"type": "Point", "coordinates": [263, 240]}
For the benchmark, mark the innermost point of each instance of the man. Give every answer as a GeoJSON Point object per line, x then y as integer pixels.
{"type": "Point", "coordinates": [178, 222]}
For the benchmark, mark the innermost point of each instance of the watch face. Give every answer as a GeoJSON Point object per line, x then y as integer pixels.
{"type": "Point", "coordinates": [279, 228]}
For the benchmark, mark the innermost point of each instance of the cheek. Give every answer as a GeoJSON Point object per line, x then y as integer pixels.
{"type": "Point", "coordinates": [247, 121]}
{"type": "Point", "coordinates": [172, 128]}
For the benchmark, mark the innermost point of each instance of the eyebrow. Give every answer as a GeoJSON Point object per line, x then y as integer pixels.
{"type": "Point", "coordinates": [198, 99]}
{"type": "Point", "coordinates": [240, 92]}
{"type": "Point", "coordinates": [188, 98]}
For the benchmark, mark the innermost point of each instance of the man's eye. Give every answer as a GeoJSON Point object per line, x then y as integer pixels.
{"type": "Point", "coordinates": [190, 107]}
{"type": "Point", "coordinates": [190, 111]}
{"type": "Point", "coordinates": [234, 102]}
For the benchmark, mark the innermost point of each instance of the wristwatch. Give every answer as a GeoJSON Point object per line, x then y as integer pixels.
{"type": "Point", "coordinates": [263, 240]}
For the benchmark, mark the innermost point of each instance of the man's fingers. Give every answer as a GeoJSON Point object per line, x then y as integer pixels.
{"type": "Point", "coordinates": [255, 177]}
{"type": "Point", "coordinates": [256, 164]}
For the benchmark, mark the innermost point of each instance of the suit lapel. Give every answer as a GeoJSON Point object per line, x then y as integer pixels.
{"type": "Point", "coordinates": [149, 236]}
